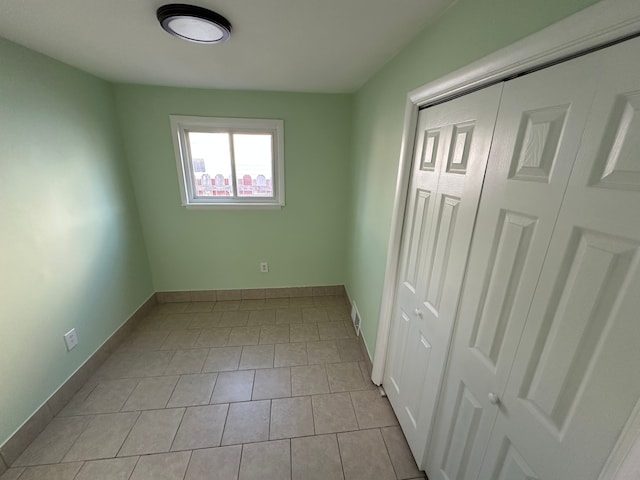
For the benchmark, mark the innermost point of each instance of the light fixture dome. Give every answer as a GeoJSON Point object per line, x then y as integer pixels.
{"type": "Point", "coordinates": [195, 24]}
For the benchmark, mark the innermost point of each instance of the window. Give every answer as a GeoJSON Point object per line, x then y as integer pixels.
{"type": "Point", "coordinates": [229, 162]}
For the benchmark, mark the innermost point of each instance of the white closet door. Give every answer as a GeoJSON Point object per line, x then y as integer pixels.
{"type": "Point", "coordinates": [450, 155]}
{"type": "Point", "coordinates": [576, 375]}
{"type": "Point", "coordinates": [538, 131]}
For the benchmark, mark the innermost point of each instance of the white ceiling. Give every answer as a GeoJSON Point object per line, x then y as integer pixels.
{"type": "Point", "coordinates": [290, 45]}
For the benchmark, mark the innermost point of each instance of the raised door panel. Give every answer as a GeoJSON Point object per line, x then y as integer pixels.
{"type": "Point", "coordinates": [451, 145]}
{"type": "Point", "coordinates": [540, 123]}
{"type": "Point", "coordinates": [574, 382]}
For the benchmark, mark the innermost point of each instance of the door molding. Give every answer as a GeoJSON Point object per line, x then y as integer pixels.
{"type": "Point", "coordinates": [603, 23]}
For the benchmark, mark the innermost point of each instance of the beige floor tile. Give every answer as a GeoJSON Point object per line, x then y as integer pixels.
{"type": "Point", "coordinates": [244, 336]}
{"type": "Point", "coordinates": [153, 432]}
{"type": "Point", "coordinates": [323, 352]}
{"type": "Point", "coordinates": [193, 390]}
{"type": "Point", "coordinates": [304, 332]}
{"type": "Point", "coordinates": [233, 386]}
{"type": "Point", "coordinates": [282, 302]}
{"type": "Point", "coordinates": [365, 369]}
{"type": "Point", "coordinates": [344, 377]}
{"type": "Point", "coordinates": [316, 458]}
{"type": "Point", "coordinates": [77, 401]}
{"type": "Point", "coordinates": [265, 461]}
{"type": "Point", "coordinates": [401, 457]}
{"type": "Point", "coordinates": [222, 359]}
{"type": "Point", "coordinates": [301, 302]}
{"type": "Point", "coordinates": [107, 397]}
{"type": "Point", "coordinates": [332, 330]}
{"type": "Point", "coordinates": [375, 464]}
{"type": "Point", "coordinates": [54, 441]}
{"type": "Point", "coordinates": [229, 295]}
{"type": "Point", "coordinates": [61, 471]}
{"type": "Point", "coordinates": [333, 413]}
{"type": "Point", "coordinates": [348, 326]}
{"type": "Point", "coordinates": [339, 314]}
{"type": "Point", "coordinates": [272, 334]}
{"type": "Point", "coordinates": [226, 306]}
{"type": "Point", "coordinates": [152, 392]}
{"type": "Point", "coordinates": [262, 317]}
{"type": "Point", "coordinates": [180, 339]}
{"type": "Point", "coordinates": [200, 307]}
{"type": "Point", "coordinates": [103, 437]}
{"type": "Point", "coordinates": [372, 409]}
{"type": "Point", "coordinates": [349, 349]}
{"type": "Point", "coordinates": [205, 320]}
{"type": "Point", "coordinates": [272, 383]}
{"type": "Point", "coordinates": [288, 316]}
{"type": "Point", "coordinates": [253, 300]}
{"type": "Point", "coordinates": [178, 321]}
{"type": "Point", "coordinates": [291, 417]}
{"type": "Point", "coordinates": [174, 322]}
{"type": "Point", "coordinates": [149, 322]}
{"type": "Point", "coordinates": [201, 427]}
{"type": "Point", "coordinates": [291, 354]}
{"type": "Point", "coordinates": [247, 422]}
{"type": "Point", "coordinates": [256, 356]}
{"type": "Point", "coordinates": [151, 364]}
{"type": "Point", "coordinates": [234, 319]}
{"type": "Point", "coordinates": [110, 469]}
{"type": "Point", "coordinates": [117, 365]}
{"type": "Point", "coordinates": [187, 361]}
{"type": "Point", "coordinates": [165, 466]}
{"type": "Point", "coordinates": [213, 337]}
{"type": "Point", "coordinates": [173, 307]}
{"type": "Point", "coordinates": [12, 473]}
{"type": "Point", "coordinates": [309, 380]}
{"type": "Point", "coordinates": [145, 340]}
{"type": "Point", "coordinates": [221, 463]}
{"type": "Point", "coordinates": [314, 315]}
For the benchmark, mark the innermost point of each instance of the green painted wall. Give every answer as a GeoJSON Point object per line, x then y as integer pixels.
{"type": "Point", "coordinates": [71, 248]}
{"type": "Point", "coordinates": [304, 243]}
{"type": "Point", "coordinates": [469, 30]}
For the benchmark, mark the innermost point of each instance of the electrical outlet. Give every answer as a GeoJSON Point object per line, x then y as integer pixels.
{"type": "Point", "coordinates": [264, 267]}
{"type": "Point", "coordinates": [71, 339]}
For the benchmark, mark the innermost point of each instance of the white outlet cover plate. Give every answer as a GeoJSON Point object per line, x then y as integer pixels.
{"type": "Point", "coordinates": [71, 339]}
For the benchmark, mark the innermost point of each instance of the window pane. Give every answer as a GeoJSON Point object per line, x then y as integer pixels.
{"type": "Point", "coordinates": [211, 161]}
{"type": "Point", "coordinates": [254, 164]}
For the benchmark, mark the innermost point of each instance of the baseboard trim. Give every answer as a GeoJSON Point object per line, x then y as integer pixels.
{"type": "Point", "coordinates": [249, 294]}
{"type": "Point", "coordinates": [34, 425]}
{"type": "Point", "coordinates": [363, 345]}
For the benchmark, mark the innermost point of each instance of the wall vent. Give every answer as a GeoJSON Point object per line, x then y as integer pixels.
{"type": "Point", "coordinates": [355, 317]}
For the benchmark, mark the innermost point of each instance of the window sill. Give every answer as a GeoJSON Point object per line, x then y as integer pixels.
{"type": "Point", "coordinates": [234, 206]}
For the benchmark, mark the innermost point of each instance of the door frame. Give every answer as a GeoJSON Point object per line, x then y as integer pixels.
{"type": "Point", "coordinates": [601, 24]}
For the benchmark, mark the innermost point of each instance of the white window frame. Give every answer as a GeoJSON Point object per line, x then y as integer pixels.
{"type": "Point", "coordinates": [181, 125]}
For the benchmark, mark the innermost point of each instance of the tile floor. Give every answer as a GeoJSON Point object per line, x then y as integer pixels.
{"type": "Point", "coordinates": [268, 389]}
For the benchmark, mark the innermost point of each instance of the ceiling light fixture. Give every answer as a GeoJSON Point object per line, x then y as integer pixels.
{"type": "Point", "coordinates": [195, 24]}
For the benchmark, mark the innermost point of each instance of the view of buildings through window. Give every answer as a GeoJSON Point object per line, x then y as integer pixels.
{"type": "Point", "coordinates": [216, 155]}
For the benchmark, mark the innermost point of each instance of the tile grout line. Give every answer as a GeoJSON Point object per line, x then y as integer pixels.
{"type": "Point", "coordinates": [384, 442]}
{"type": "Point", "coordinates": [175, 434]}
{"type": "Point", "coordinates": [184, 475]}
{"type": "Point", "coordinates": [127, 437]}
{"type": "Point", "coordinates": [224, 427]}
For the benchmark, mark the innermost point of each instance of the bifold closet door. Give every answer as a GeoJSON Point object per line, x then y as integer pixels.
{"type": "Point", "coordinates": [575, 379]}
{"type": "Point", "coordinates": [537, 136]}
{"type": "Point", "coordinates": [450, 155]}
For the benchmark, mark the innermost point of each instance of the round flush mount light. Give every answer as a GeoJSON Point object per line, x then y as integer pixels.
{"type": "Point", "coordinates": [195, 24]}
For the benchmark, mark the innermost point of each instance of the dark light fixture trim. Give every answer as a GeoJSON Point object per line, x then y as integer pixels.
{"type": "Point", "coordinates": [195, 24]}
